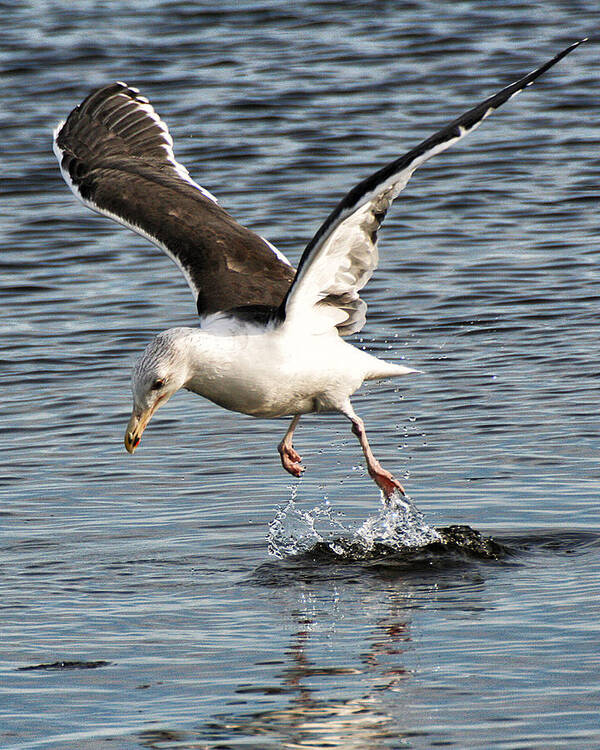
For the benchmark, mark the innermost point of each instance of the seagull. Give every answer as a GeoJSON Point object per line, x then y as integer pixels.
{"type": "Point", "coordinates": [271, 341]}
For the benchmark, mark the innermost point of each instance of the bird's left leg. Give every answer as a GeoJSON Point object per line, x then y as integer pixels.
{"type": "Point", "coordinates": [290, 460]}
{"type": "Point", "coordinates": [386, 482]}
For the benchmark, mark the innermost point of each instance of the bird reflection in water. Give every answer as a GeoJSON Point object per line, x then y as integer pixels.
{"type": "Point", "coordinates": [310, 721]}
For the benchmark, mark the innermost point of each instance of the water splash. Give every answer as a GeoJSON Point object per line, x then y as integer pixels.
{"type": "Point", "coordinates": [399, 526]}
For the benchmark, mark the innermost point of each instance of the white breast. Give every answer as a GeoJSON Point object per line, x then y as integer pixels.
{"type": "Point", "coordinates": [274, 372]}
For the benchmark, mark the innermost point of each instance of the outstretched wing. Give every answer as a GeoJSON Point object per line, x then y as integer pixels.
{"type": "Point", "coordinates": [116, 155]}
{"type": "Point", "coordinates": [341, 257]}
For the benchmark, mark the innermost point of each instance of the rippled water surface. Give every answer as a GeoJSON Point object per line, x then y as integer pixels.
{"type": "Point", "coordinates": [139, 604]}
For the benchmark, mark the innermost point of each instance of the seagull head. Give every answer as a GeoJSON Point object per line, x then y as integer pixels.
{"type": "Point", "coordinates": [159, 373]}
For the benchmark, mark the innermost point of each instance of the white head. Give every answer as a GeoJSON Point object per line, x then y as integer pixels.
{"type": "Point", "coordinates": [159, 373]}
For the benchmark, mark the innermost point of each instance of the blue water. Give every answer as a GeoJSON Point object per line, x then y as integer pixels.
{"type": "Point", "coordinates": [139, 604]}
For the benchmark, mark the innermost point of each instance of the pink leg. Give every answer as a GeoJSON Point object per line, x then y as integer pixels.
{"type": "Point", "coordinates": [290, 460]}
{"type": "Point", "coordinates": [386, 482]}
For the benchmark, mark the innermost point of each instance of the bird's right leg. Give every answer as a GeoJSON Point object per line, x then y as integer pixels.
{"type": "Point", "coordinates": [386, 482]}
{"type": "Point", "coordinates": [290, 460]}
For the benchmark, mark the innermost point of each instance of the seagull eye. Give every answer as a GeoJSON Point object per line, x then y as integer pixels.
{"type": "Point", "coordinates": [158, 384]}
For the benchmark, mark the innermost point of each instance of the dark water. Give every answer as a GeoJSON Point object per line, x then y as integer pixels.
{"type": "Point", "coordinates": [139, 606]}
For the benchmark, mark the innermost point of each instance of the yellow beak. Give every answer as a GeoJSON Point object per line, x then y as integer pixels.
{"type": "Point", "coordinates": [136, 426]}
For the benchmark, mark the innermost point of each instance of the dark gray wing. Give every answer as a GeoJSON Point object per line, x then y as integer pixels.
{"type": "Point", "coordinates": [341, 257]}
{"type": "Point", "coordinates": [116, 155]}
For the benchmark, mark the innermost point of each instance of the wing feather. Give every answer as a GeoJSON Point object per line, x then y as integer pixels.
{"type": "Point", "coordinates": [116, 155]}
{"type": "Point", "coordinates": [341, 257]}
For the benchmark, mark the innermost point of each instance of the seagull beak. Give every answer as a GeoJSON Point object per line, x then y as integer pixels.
{"type": "Point", "coordinates": [139, 421]}
{"type": "Point", "coordinates": [135, 428]}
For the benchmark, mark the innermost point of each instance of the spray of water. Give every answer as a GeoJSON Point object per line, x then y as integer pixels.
{"type": "Point", "coordinates": [399, 526]}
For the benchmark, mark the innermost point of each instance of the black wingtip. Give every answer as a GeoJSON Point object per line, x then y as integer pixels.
{"type": "Point", "coordinates": [566, 50]}
{"type": "Point", "coordinates": [543, 68]}
{"type": "Point", "coordinates": [573, 45]}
